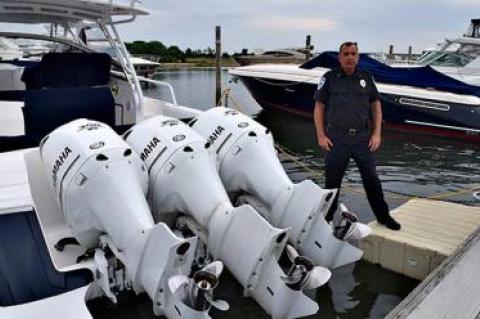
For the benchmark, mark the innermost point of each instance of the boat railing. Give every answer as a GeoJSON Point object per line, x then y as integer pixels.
{"type": "Point", "coordinates": [160, 83]}
{"type": "Point", "coordinates": [134, 13]}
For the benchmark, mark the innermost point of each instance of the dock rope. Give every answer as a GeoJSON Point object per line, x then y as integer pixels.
{"type": "Point", "coordinates": [228, 96]}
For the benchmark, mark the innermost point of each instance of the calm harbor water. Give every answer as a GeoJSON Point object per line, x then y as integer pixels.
{"type": "Point", "coordinates": [408, 165]}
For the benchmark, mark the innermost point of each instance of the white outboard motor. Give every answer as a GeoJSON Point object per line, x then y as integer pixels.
{"type": "Point", "coordinates": [184, 179]}
{"type": "Point", "coordinates": [100, 185]}
{"type": "Point", "coordinates": [248, 165]}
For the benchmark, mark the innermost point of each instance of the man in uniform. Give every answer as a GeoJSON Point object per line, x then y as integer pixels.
{"type": "Point", "coordinates": [348, 120]}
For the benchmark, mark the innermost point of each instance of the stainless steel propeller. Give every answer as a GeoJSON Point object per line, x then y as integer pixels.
{"type": "Point", "coordinates": [197, 292]}
{"type": "Point", "coordinates": [303, 274]}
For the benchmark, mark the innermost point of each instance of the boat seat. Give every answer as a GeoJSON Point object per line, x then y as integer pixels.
{"type": "Point", "coordinates": [64, 70]}
{"type": "Point", "coordinates": [48, 109]}
{"type": "Point", "coordinates": [26, 271]}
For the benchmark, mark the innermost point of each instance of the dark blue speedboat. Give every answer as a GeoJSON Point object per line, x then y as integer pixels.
{"type": "Point", "coordinates": [417, 99]}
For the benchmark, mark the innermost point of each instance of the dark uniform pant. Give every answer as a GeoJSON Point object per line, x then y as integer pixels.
{"type": "Point", "coordinates": [336, 164]}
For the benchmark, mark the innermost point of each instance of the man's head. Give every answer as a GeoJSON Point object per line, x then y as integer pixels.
{"type": "Point", "coordinates": [348, 56]}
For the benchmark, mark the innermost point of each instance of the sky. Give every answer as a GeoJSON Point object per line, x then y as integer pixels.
{"type": "Point", "coordinates": [270, 24]}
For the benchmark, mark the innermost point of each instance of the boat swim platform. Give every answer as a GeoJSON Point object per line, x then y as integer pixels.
{"type": "Point", "coordinates": [431, 231]}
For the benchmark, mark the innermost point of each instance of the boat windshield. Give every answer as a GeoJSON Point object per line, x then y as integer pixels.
{"type": "Point", "coordinates": [438, 58]}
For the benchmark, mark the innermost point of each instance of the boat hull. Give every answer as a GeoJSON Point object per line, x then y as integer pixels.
{"type": "Point", "coordinates": [249, 60]}
{"type": "Point", "coordinates": [432, 117]}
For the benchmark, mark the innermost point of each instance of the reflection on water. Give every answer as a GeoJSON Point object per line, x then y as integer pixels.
{"type": "Point", "coordinates": [408, 165]}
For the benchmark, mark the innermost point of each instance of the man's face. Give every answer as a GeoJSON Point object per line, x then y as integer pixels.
{"type": "Point", "coordinates": [348, 58]}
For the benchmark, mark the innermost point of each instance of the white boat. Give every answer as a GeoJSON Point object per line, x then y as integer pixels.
{"type": "Point", "coordinates": [87, 215]}
{"type": "Point", "coordinates": [9, 50]}
{"type": "Point", "coordinates": [290, 56]}
{"type": "Point", "coordinates": [143, 67]}
{"type": "Point", "coordinates": [457, 57]}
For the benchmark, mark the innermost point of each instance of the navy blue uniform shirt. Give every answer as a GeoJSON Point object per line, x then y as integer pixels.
{"type": "Point", "coordinates": [347, 98]}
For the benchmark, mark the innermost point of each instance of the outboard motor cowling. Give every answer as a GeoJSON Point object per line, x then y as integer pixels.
{"type": "Point", "coordinates": [248, 165]}
{"type": "Point", "coordinates": [100, 185]}
{"type": "Point", "coordinates": [184, 179]}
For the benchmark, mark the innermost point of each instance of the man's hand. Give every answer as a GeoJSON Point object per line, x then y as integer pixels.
{"type": "Point", "coordinates": [374, 142]}
{"type": "Point", "coordinates": [324, 142]}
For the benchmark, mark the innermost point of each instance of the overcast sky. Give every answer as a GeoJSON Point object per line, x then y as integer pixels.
{"type": "Point", "coordinates": [270, 24]}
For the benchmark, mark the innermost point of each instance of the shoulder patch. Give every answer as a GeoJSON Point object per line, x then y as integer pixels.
{"type": "Point", "coordinates": [321, 82]}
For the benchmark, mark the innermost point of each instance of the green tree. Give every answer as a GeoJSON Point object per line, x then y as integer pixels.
{"type": "Point", "coordinates": [174, 52]}
{"type": "Point", "coordinates": [156, 48]}
{"type": "Point", "coordinates": [136, 47]}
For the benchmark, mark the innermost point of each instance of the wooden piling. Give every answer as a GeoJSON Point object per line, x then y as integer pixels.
{"type": "Point", "coordinates": [218, 77]}
{"type": "Point", "coordinates": [308, 47]}
{"type": "Point", "coordinates": [390, 49]}
{"type": "Point", "coordinates": [390, 55]}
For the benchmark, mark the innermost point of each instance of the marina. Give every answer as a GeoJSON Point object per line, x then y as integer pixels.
{"type": "Point", "coordinates": [223, 215]}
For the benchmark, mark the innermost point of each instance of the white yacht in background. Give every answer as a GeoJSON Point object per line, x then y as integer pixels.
{"type": "Point", "coordinates": [33, 48]}
{"type": "Point", "coordinates": [9, 50]}
{"type": "Point", "coordinates": [89, 218]}
{"type": "Point", "coordinates": [458, 57]}
{"type": "Point", "coordinates": [278, 56]}
{"type": "Point", "coordinates": [143, 67]}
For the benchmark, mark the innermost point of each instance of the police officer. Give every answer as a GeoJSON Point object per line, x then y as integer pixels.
{"type": "Point", "coordinates": [348, 119]}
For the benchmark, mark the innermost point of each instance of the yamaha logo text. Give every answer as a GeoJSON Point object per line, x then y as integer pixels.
{"type": "Point", "coordinates": [149, 148]}
{"type": "Point", "coordinates": [62, 158]}
{"type": "Point", "coordinates": [216, 134]}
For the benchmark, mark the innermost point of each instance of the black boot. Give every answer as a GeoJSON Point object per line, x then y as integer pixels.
{"type": "Point", "coordinates": [389, 222]}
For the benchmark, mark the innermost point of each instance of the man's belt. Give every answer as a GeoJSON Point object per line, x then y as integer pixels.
{"type": "Point", "coordinates": [349, 130]}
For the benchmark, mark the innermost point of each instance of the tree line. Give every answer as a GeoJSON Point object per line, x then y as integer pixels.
{"type": "Point", "coordinates": [172, 53]}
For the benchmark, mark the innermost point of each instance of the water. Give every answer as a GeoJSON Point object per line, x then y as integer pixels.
{"type": "Point", "coordinates": [408, 165]}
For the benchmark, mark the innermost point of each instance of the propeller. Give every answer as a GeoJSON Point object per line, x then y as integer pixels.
{"type": "Point", "coordinates": [349, 227]}
{"type": "Point", "coordinates": [197, 292]}
{"type": "Point", "coordinates": [221, 305]}
{"type": "Point", "coordinates": [303, 275]}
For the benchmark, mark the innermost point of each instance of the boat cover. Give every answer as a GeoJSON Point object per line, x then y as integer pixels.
{"type": "Point", "coordinates": [423, 77]}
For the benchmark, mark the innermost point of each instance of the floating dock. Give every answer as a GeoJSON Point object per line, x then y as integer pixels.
{"type": "Point", "coordinates": [452, 290]}
{"type": "Point", "coordinates": [431, 231]}
{"type": "Point", "coordinates": [440, 244]}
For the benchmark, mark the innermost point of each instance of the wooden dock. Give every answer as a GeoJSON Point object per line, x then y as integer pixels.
{"type": "Point", "coordinates": [431, 231]}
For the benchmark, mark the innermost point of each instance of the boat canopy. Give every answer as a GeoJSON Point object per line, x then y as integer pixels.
{"type": "Point", "coordinates": [423, 77]}
{"type": "Point", "coordinates": [66, 11]}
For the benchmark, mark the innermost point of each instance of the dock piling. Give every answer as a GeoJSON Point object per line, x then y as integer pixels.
{"type": "Point", "coordinates": [218, 77]}
{"type": "Point", "coordinates": [308, 47]}
{"type": "Point", "coordinates": [390, 53]}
